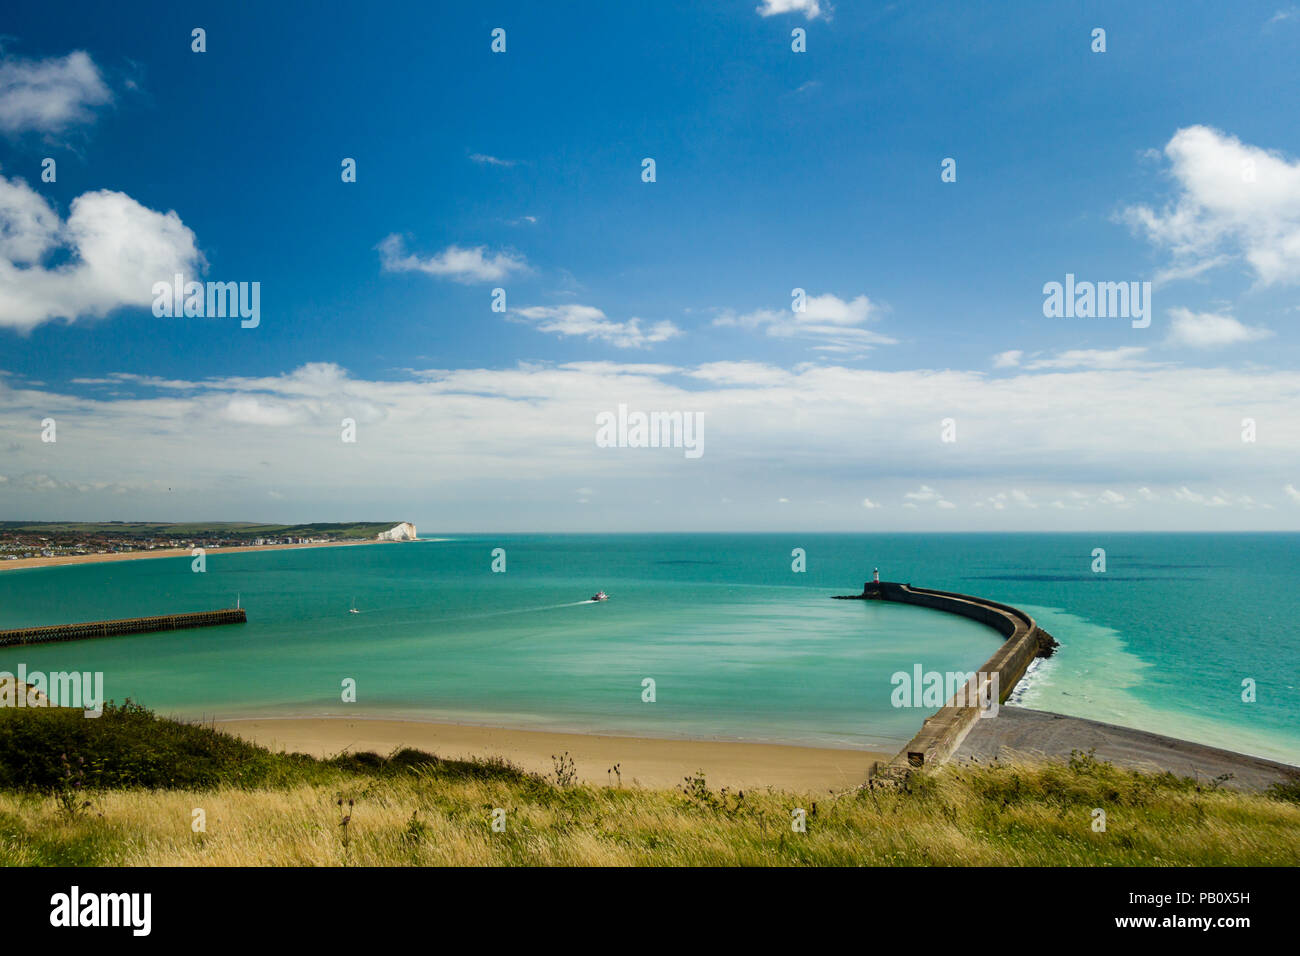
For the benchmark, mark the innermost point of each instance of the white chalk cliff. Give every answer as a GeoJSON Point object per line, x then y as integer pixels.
{"type": "Point", "coordinates": [399, 532]}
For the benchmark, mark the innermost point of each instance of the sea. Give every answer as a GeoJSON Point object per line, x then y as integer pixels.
{"type": "Point", "coordinates": [704, 636]}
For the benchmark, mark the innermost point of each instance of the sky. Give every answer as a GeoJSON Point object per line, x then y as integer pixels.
{"type": "Point", "coordinates": [505, 267]}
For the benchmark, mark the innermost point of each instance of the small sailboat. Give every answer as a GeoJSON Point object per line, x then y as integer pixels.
{"type": "Point", "coordinates": [600, 596]}
{"type": "Point", "coordinates": [353, 609]}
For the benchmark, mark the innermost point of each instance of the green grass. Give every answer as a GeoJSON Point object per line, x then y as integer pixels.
{"type": "Point", "coordinates": [132, 785]}
{"type": "Point", "coordinates": [226, 529]}
{"type": "Point", "coordinates": [131, 747]}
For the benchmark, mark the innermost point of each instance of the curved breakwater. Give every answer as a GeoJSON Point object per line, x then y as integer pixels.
{"type": "Point", "coordinates": [942, 733]}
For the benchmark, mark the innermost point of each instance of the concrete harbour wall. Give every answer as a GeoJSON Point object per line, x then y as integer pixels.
{"type": "Point", "coordinates": [942, 733]}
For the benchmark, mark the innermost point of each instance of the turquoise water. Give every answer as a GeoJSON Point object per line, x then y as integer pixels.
{"type": "Point", "coordinates": [738, 645]}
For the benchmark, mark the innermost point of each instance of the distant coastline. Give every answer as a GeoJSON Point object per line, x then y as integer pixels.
{"type": "Point", "coordinates": [59, 560]}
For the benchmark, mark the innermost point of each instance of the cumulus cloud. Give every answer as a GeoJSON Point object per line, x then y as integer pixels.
{"type": "Point", "coordinates": [112, 249]}
{"type": "Point", "coordinates": [1008, 359]}
{"type": "Point", "coordinates": [927, 495]}
{"type": "Point", "coordinates": [256, 410]}
{"type": "Point", "coordinates": [836, 325]}
{"type": "Point", "coordinates": [1235, 202]}
{"type": "Point", "coordinates": [1003, 499]}
{"type": "Point", "coordinates": [741, 373]}
{"type": "Point", "coordinates": [869, 504]}
{"type": "Point", "coordinates": [510, 444]}
{"type": "Point", "coordinates": [1120, 358]}
{"type": "Point", "coordinates": [1208, 330]}
{"type": "Point", "coordinates": [454, 262]}
{"type": "Point", "coordinates": [1293, 493]}
{"type": "Point", "coordinates": [1188, 496]}
{"type": "Point", "coordinates": [592, 323]}
{"type": "Point", "coordinates": [812, 9]}
{"type": "Point", "coordinates": [50, 95]}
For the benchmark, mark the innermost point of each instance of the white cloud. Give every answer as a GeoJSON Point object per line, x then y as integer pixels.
{"type": "Point", "coordinates": [834, 323]}
{"type": "Point", "coordinates": [1008, 359]}
{"type": "Point", "coordinates": [115, 250]}
{"type": "Point", "coordinates": [483, 159]}
{"type": "Point", "coordinates": [1207, 330]}
{"type": "Point", "coordinates": [1188, 496]}
{"type": "Point", "coordinates": [454, 262]}
{"type": "Point", "coordinates": [869, 504]}
{"type": "Point", "coordinates": [257, 410]}
{"type": "Point", "coordinates": [741, 373]}
{"type": "Point", "coordinates": [510, 444]}
{"type": "Point", "coordinates": [1235, 202]}
{"type": "Point", "coordinates": [1120, 358]}
{"type": "Point", "coordinates": [926, 495]}
{"type": "Point", "coordinates": [591, 322]}
{"type": "Point", "coordinates": [1293, 493]}
{"type": "Point", "coordinates": [1002, 499]}
{"type": "Point", "coordinates": [811, 9]}
{"type": "Point", "coordinates": [49, 95]}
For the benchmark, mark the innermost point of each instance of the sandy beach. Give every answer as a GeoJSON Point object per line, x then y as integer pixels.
{"type": "Point", "coordinates": [648, 762]}
{"type": "Point", "coordinates": [166, 553]}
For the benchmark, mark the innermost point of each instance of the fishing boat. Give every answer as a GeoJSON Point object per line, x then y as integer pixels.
{"type": "Point", "coordinates": [353, 609]}
{"type": "Point", "coordinates": [600, 596]}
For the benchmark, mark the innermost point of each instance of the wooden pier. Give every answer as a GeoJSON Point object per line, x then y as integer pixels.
{"type": "Point", "coordinates": [130, 625]}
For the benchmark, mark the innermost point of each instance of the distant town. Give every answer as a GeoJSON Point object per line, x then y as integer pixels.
{"type": "Point", "coordinates": [32, 539]}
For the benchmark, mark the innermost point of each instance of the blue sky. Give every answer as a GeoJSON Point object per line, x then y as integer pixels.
{"type": "Point", "coordinates": [775, 170]}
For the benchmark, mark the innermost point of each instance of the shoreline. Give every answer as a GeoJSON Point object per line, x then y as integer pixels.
{"type": "Point", "coordinates": [1020, 732]}
{"type": "Point", "coordinates": [653, 762]}
{"type": "Point", "coordinates": [70, 559]}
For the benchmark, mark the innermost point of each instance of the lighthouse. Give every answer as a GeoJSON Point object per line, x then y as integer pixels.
{"type": "Point", "coordinates": [875, 575]}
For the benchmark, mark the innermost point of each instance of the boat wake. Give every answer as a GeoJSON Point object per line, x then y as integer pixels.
{"type": "Point", "coordinates": [475, 617]}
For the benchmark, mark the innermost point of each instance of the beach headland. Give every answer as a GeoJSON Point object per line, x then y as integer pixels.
{"type": "Point", "coordinates": [60, 560]}
{"type": "Point", "coordinates": [643, 761]}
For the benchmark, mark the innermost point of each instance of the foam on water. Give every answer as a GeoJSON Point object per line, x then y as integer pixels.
{"type": "Point", "coordinates": [1093, 675]}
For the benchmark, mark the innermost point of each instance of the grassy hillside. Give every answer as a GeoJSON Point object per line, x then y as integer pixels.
{"type": "Point", "coordinates": [123, 790]}
{"type": "Point", "coordinates": [237, 529]}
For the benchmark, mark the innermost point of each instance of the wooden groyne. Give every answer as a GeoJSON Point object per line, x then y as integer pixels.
{"type": "Point", "coordinates": [130, 625]}
{"type": "Point", "coordinates": [943, 732]}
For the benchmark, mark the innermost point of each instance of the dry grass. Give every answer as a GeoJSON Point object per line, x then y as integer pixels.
{"type": "Point", "coordinates": [1011, 815]}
